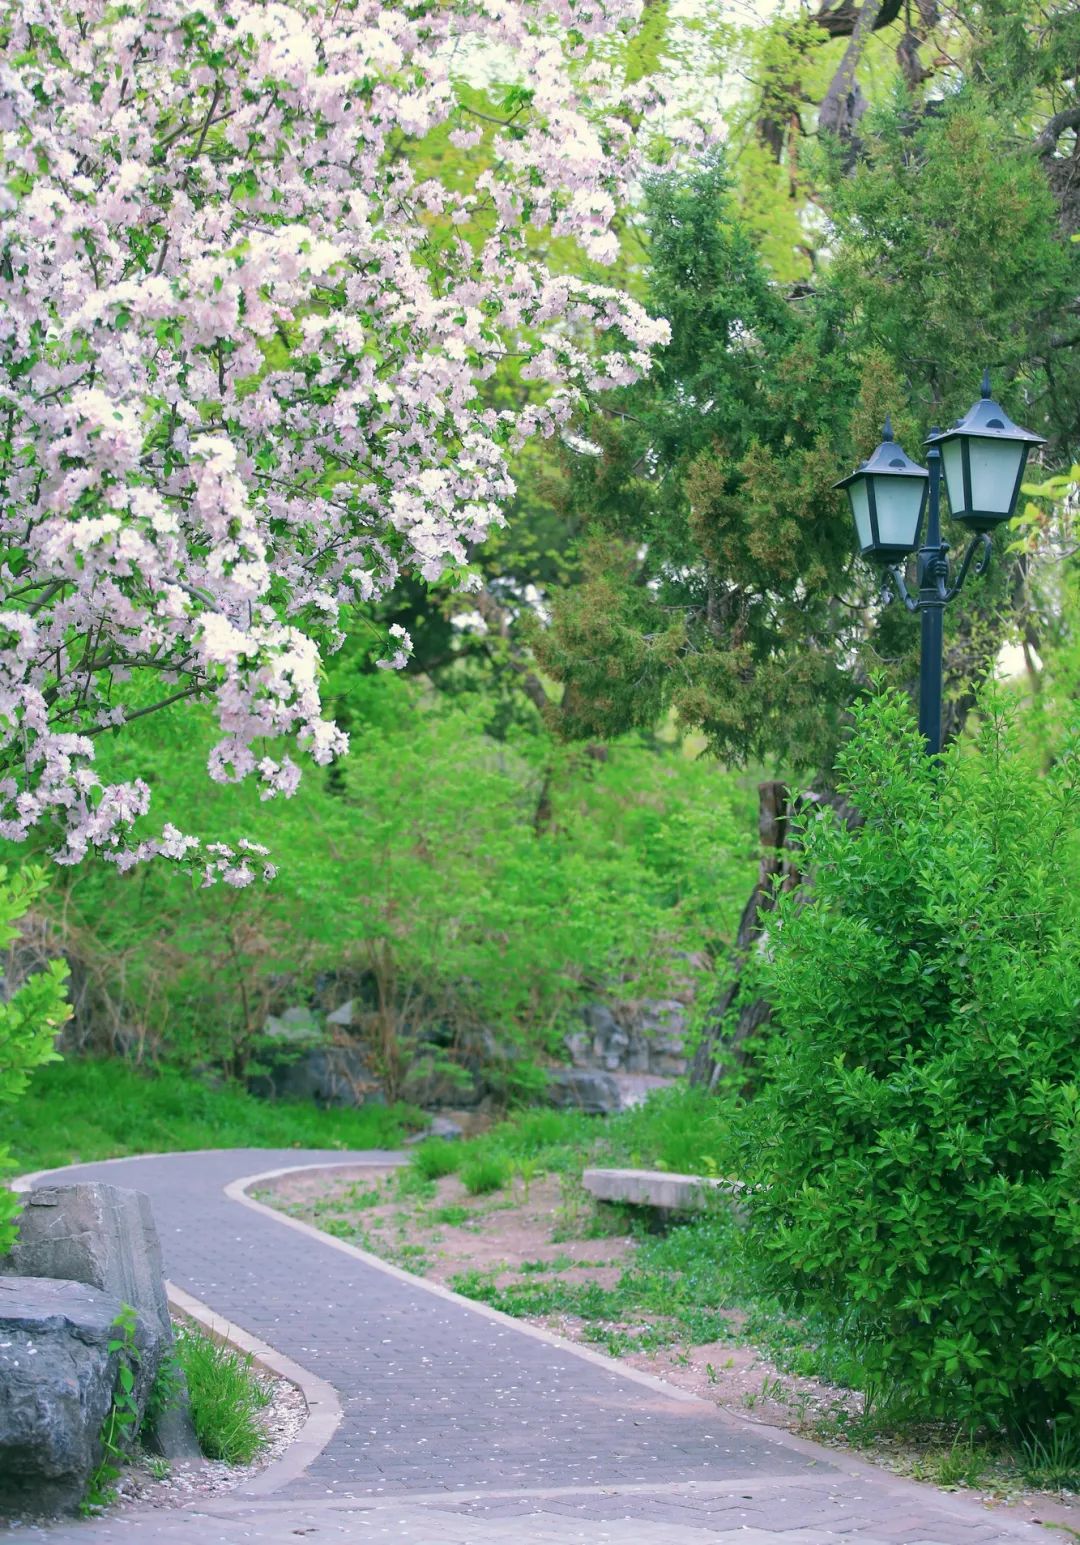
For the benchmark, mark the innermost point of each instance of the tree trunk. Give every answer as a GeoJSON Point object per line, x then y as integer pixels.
{"type": "Point", "coordinates": [727, 1043]}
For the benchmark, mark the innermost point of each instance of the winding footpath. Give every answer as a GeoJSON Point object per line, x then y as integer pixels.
{"type": "Point", "coordinates": [437, 1421]}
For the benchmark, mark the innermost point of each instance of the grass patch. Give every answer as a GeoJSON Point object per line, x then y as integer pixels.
{"type": "Point", "coordinates": [1051, 1461]}
{"type": "Point", "coordinates": [454, 1215]}
{"type": "Point", "coordinates": [678, 1129]}
{"type": "Point", "coordinates": [409, 1182]}
{"type": "Point", "coordinates": [557, 1263]}
{"type": "Point", "coordinates": [436, 1157]}
{"type": "Point", "coordinates": [226, 1398]}
{"type": "Point", "coordinates": [681, 1129]}
{"type": "Point", "coordinates": [83, 1110]}
{"type": "Point", "coordinates": [486, 1172]}
{"type": "Point", "coordinates": [359, 1197]}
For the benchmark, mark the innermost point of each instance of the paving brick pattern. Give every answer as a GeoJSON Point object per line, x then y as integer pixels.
{"type": "Point", "coordinates": [458, 1427]}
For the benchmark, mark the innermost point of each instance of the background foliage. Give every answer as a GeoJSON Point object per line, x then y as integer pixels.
{"type": "Point", "coordinates": [447, 877]}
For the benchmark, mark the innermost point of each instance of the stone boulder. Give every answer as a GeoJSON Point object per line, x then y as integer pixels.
{"type": "Point", "coordinates": [584, 1089]}
{"type": "Point", "coordinates": [104, 1236]}
{"type": "Point", "coordinates": [662, 1029]}
{"type": "Point", "coordinates": [436, 1082]}
{"type": "Point", "coordinates": [442, 1127]}
{"type": "Point", "coordinates": [328, 1075]}
{"type": "Point", "coordinates": [298, 1026]}
{"type": "Point", "coordinates": [57, 1378]}
{"type": "Point", "coordinates": [645, 1036]}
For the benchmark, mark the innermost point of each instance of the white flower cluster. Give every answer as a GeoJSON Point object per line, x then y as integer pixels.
{"type": "Point", "coordinates": [236, 395]}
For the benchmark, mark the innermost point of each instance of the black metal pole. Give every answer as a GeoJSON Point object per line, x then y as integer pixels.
{"type": "Point", "coordinates": [932, 606]}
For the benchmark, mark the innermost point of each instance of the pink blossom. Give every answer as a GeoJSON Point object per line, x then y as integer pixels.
{"type": "Point", "coordinates": [239, 396]}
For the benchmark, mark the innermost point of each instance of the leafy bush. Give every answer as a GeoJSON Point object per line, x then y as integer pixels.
{"type": "Point", "coordinates": [485, 1172]}
{"type": "Point", "coordinates": [436, 1158]}
{"type": "Point", "coordinates": [29, 1021]}
{"type": "Point", "coordinates": [915, 1152]}
{"type": "Point", "coordinates": [226, 1397]}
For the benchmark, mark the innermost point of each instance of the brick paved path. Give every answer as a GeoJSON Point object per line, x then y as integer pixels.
{"type": "Point", "coordinates": [459, 1427]}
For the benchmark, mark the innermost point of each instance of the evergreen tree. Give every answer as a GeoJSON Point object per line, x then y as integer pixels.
{"type": "Point", "coordinates": [719, 571]}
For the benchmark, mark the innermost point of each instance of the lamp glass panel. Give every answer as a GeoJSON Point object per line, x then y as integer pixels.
{"type": "Point", "coordinates": [899, 501]}
{"type": "Point", "coordinates": [994, 466]}
{"type": "Point", "coordinates": [860, 509]}
{"type": "Point", "coordinates": [952, 461]}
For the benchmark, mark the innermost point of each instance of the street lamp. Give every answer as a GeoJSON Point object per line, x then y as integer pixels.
{"type": "Point", "coordinates": [888, 498]}
{"type": "Point", "coordinates": [984, 454]}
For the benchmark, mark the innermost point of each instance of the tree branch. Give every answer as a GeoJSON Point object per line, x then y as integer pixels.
{"type": "Point", "coordinates": [140, 713]}
{"type": "Point", "coordinates": [843, 20]}
{"type": "Point", "coordinates": [844, 104]}
{"type": "Point", "coordinates": [1069, 118]}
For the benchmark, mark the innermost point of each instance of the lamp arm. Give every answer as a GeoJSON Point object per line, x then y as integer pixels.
{"type": "Point", "coordinates": [982, 541]}
{"type": "Point", "coordinates": [899, 588]}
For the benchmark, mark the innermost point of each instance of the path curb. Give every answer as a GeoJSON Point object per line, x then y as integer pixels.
{"type": "Point", "coordinates": [324, 1411]}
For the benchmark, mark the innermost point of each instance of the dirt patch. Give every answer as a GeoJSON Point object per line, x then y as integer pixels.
{"type": "Point", "coordinates": [450, 1233]}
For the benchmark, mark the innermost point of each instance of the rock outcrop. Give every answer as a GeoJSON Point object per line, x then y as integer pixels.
{"type": "Point", "coordinates": [105, 1237]}
{"type": "Point", "coordinates": [646, 1036]}
{"type": "Point", "coordinates": [584, 1089]}
{"type": "Point", "coordinates": [57, 1378]}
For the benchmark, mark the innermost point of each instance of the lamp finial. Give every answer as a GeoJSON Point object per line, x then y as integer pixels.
{"type": "Point", "coordinates": [887, 433]}
{"type": "Point", "coordinates": [986, 382]}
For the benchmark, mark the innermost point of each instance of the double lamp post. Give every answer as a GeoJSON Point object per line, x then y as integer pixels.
{"type": "Point", "coordinates": [984, 455]}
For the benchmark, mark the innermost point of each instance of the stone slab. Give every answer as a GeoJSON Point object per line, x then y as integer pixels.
{"type": "Point", "coordinates": [656, 1188]}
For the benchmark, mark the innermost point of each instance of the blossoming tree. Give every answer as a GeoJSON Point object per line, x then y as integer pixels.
{"type": "Point", "coordinates": [243, 347]}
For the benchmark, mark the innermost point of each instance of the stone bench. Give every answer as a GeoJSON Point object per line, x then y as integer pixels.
{"type": "Point", "coordinates": [657, 1188]}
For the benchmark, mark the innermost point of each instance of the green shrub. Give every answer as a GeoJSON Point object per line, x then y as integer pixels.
{"type": "Point", "coordinates": [226, 1397]}
{"type": "Point", "coordinates": [914, 1153]}
{"type": "Point", "coordinates": [436, 1158]}
{"type": "Point", "coordinates": [485, 1172]}
{"type": "Point", "coordinates": [29, 1021]}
